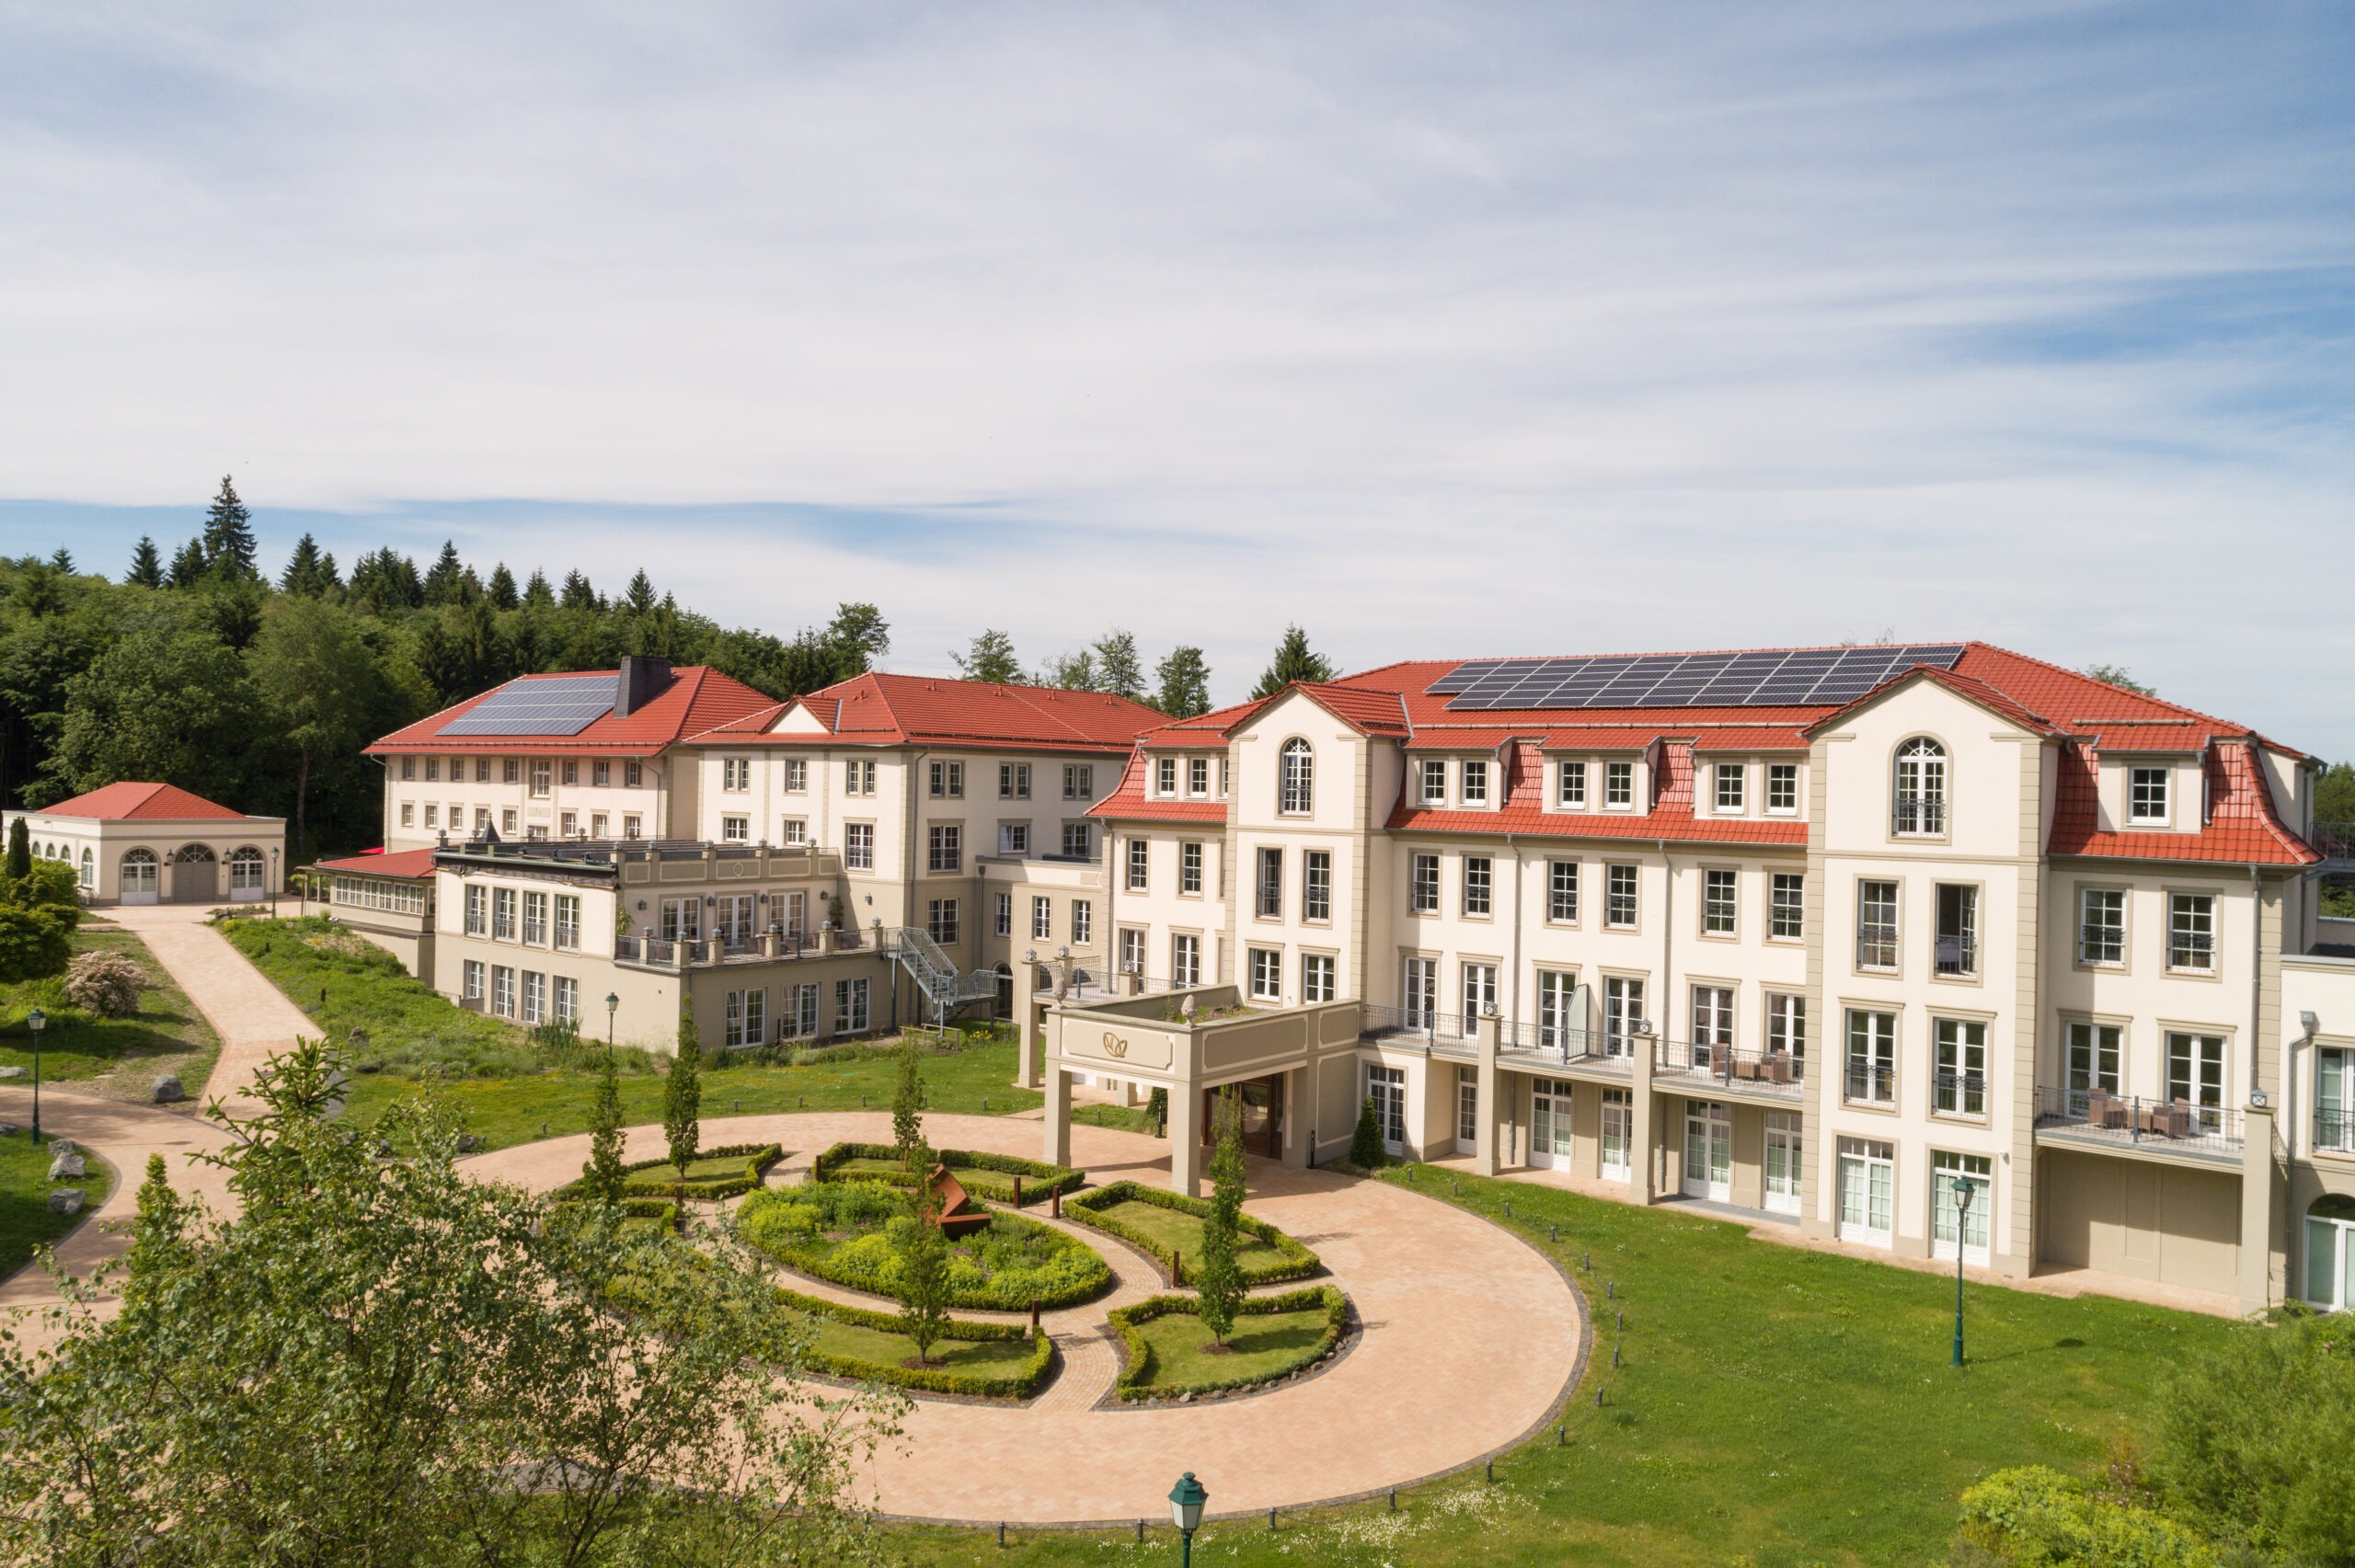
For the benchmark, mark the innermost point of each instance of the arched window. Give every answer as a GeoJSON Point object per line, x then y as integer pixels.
{"type": "Point", "coordinates": [139, 876]}
{"type": "Point", "coordinates": [89, 869]}
{"type": "Point", "coordinates": [1299, 791]}
{"type": "Point", "coordinates": [1921, 787]}
{"type": "Point", "coordinates": [246, 873]}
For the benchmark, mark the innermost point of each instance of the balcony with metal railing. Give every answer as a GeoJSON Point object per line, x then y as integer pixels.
{"type": "Point", "coordinates": [1435, 1033]}
{"type": "Point", "coordinates": [2334, 1131]}
{"type": "Point", "coordinates": [649, 952]}
{"type": "Point", "coordinates": [1734, 1070]}
{"type": "Point", "coordinates": [2120, 1124]}
{"type": "Point", "coordinates": [1869, 1083]}
{"type": "Point", "coordinates": [1958, 1093]}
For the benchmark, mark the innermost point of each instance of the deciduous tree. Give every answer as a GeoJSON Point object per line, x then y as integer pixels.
{"type": "Point", "coordinates": [319, 683]}
{"type": "Point", "coordinates": [683, 1100]}
{"type": "Point", "coordinates": [1218, 1278]}
{"type": "Point", "coordinates": [1185, 683]}
{"type": "Point", "coordinates": [991, 658]}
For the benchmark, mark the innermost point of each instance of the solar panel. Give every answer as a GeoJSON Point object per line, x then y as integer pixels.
{"type": "Point", "coordinates": [1754, 678]}
{"type": "Point", "coordinates": [564, 704]}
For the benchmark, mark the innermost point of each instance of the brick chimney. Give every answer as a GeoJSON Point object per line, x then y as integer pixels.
{"type": "Point", "coordinates": [641, 681]}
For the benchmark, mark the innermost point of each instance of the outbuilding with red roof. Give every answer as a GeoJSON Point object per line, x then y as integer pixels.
{"type": "Point", "coordinates": [136, 843]}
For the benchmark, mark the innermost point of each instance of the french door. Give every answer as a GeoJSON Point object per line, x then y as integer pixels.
{"type": "Point", "coordinates": [1868, 1191]}
{"type": "Point", "coordinates": [1618, 1128]}
{"type": "Point", "coordinates": [1708, 1150]}
{"type": "Point", "coordinates": [1468, 1110]}
{"type": "Point", "coordinates": [1945, 1169]}
{"type": "Point", "coordinates": [2330, 1255]}
{"type": "Point", "coordinates": [1549, 1125]}
{"type": "Point", "coordinates": [1784, 1162]}
{"type": "Point", "coordinates": [1387, 1085]}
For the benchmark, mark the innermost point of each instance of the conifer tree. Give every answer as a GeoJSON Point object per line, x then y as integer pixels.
{"type": "Point", "coordinates": [1295, 661]}
{"type": "Point", "coordinates": [20, 852]}
{"type": "Point", "coordinates": [601, 1179]}
{"type": "Point", "coordinates": [536, 591]}
{"type": "Point", "coordinates": [1365, 1141]}
{"type": "Point", "coordinates": [63, 561]}
{"type": "Point", "coordinates": [445, 582]}
{"type": "Point", "coordinates": [146, 565]}
{"type": "Point", "coordinates": [306, 573]}
{"type": "Point", "coordinates": [188, 565]}
{"type": "Point", "coordinates": [683, 1099]}
{"type": "Point", "coordinates": [228, 535]}
{"type": "Point", "coordinates": [1185, 683]}
{"type": "Point", "coordinates": [579, 594]}
{"type": "Point", "coordinates": [1218, 1278]}
{"type": "Point", "coordinates": [639, 598]}
{"type": "Point", "coordinates": [158, 1229]}
{"type": "Point", "coordinates": [907, 1106]}
{"type": "Point", "coordinates": [501, 591]}
{"type": "Point", "coordinates": [991, 658]}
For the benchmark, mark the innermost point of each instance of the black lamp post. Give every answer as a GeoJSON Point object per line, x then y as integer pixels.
{"type": "Point", "coordinates": [273, 882]}
{"type": "Point", "coordinates": [612, 1003]}
{"type": "Point", "coordinates": [1965, 1189]}
{"type": "Point", "coordinates": [1186, 1500]}
{"type": "Point", "coordinates": [38, 1021]}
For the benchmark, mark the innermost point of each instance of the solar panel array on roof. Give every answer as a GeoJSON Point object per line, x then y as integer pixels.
{"type": "Point", "coordinates": [1774, 678]}
{"type": "Point", "coordinates": [563, 704]}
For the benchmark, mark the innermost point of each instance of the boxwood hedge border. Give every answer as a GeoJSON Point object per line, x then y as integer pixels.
{"type": "Point", "coordinates": [1038, 1181]}
{"type": "Point", "coordinates": [1137, 1357]}
{"type": "Point", "coordinates": [1018, 1385]}
{"type": "Point", "coordinates": [758, 1158]}
{"type": "Point", "coordinates": [815, 1268]}
{"type": "Point", "coordinates": [1298, 1262]}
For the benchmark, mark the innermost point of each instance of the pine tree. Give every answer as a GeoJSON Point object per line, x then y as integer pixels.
{"type": "Point", "coordinates": [578, 594]}
{"type": "Point", "coordinates": [188, 565]}
{"type": "Point", "coordinates": [907, 1103]}
{"type": "Point", "coordinates": [536, 591]}
{"type": "Point", "coordinates": [991, 658]}
{"type": "Point", "coordinates": [228, 535]}
{"type": "Point", "coordinates": [638, 598]}
{"type": "Point", "coordinates": [304, 572]}
{"type": "Point", "coordinates": [501, 591]}
{"type": "Point", "coordinates": [923, 1264]}
{"type": "Point", "coordinates": [146, 565]}
{"type": "Point", "coordinates": [1365, 1143]}
{"type": "Point", "coordinates": [1185, 683]}
{"type": "Point", "coordinates": [683, 1099]}
{"type": "Point", "coordinates": [602, 1180]}
{"type": "Point", "coordinates": [1117, 666]}
{"type": "Point", "coordinates": [1295, 661]}
{"type": "Point", "coordinates": [1218, 1279]}
{"type": "Point", "coordinates": [20, 852]}
{"type": "Point", "coordinates": [63, 561]}
{"type": "Point", "coordinates": [445, 582]}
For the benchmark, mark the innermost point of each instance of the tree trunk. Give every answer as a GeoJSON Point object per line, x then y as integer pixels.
{"type": "Point", "coordinates": [302, 789]}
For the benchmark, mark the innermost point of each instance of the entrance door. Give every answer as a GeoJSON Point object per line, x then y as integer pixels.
{"type": "Point", "coordinates": [1618, 1126]}
{"type": "Point", "coordinates": [1868, 1191]}
{"type": "Point", "coordinates": [196, 876]}
{"type": "Point", "coordinates": [247, 882]}
{"type": "Point", "coordinates": [1549, 1125]}
{"type": "Point", "coordinates": [139, 876]}
{"type": "Point", "coordinates": [1468, 1110]}
{"type": "Point", "coordinates": [1263, 1110]}
{"type": "Point", "coordinates": [1387, 1085]}
{"type": "Point", "coordinates": [1945, 1169]}
{"type": "Point", "coordinates": [1708, 1150]}
{"type": "Point", "coordinates": [1783, 1163]}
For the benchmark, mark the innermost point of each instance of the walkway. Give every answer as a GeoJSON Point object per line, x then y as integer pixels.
{"type": "Point", "coordinates": [1470, 1340]}
{"type": "Point", "coordinates": [251, 1015]}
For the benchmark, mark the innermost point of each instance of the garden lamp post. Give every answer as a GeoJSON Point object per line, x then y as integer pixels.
{"type": "Point", "coordinates": [38, 1021]}
{"type": "Point", "coordinates": [1186, 1500]}
{"type": "Point", "coordinates": [273, 881]}
{"type": "Point", "coordinates": [612, 1003]}
{"type": "Point", "coordinates": [1965, 1189]}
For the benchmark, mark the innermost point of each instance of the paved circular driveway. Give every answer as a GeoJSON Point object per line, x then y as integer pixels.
{"type": "Point", "coordinates": [1470, 1339]}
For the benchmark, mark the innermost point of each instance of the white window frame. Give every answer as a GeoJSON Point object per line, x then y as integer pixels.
{"type": "Point", "coordinates": [2102, 946]}
{"type": "Point", "coordinates": [1786, 906]}
{"type": "Point", "coordinates": [1731, 780]}
{"type": "Point", "coordinates": [1479, 884]}
{"type": "Point", "coordinates": [1140, 865]}
{"type": "Point", "coordinates": [1474, 782]}
{"type": "Point", "coordinates": [1296, 778]}
{"type": "Point", "coordinates": [1189, 867]}
{"type": "Point", "coordinates": [1316, 887]}
{"type": "Point", "coordinates": [1432, 772]}
{"type": "Point", "coordinates": [1318, 978]}
{"type": "Point", "coordinates": [2191, 933]}
{"type": "Point", "coordinates": [1782, 789]}
{"type": "Point", "coordinates": [1569, 785]}
{"type": "Point", "coordinates": [1266, 969]}
{"type": "Point", "coordinates": [1561, 892]}
{"type": "Point", "coordinates": [2150, 796]}
{"type": "Point", "coordinates": [1623, 885]}
{"type": "Point", "coordinates": [1422, 884]}
{"type": "Point", "coordinates": [1720, 901]}
{"type": "Point", "coordinates": [1014, 840]}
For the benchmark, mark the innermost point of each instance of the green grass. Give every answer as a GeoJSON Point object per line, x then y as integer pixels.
{"type": "Point", "coordinates": [1265, 1344]}
{"type": "Point", "coordinates": [25, 1219]}
{"type": "Point", "coordinates": [167, 1034]}
{"type": "Point", "coordinates": [1777, 1407]}
{"type": "Point", "coordinates": [984, 1358]}
{"type": "Point", "coordinates": [1183, 1233]}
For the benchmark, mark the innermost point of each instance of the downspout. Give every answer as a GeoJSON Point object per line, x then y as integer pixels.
{"type": "Point", "coordinates": [1659, 1150]}
{"type": "Point", "coordinates": [2256, 973]}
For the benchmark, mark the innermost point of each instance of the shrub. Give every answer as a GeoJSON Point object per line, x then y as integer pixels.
{"type": "Point", "coordinates": [1037, 1180]}
{"type": "Point", "coordinates": [1136, 1378]}
{"type": "Point", "coordinates": [757, 1158]}
{"type": "Point", "coordinates": [105, 983]}
{"type": "Point", "coordinates": [1298, 1262]}
{"type": "Point", "coordinates": [1004, 1267]}
{"type": "Point", "coordinates": [1365, 1144]}
{"type": "Point", "coordinates": [2037, 1517]}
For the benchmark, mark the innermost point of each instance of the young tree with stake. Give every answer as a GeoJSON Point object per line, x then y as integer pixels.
{"type": "Point", "coordinates": [923, 1260]}
{"type": "Point", "coordinates": [1218, 1278]}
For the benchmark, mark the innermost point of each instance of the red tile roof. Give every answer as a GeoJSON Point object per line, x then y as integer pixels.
{"type": "Point", "coordinates": [1749, 737]}
{"type": "Point", "coordinates": [698, 698]}
{"type": "Point", "coordinates": [1368, 711]}
{"type": "Point", "coordinates": [129, 802]}
{"type": "Point", "coordinates": [400, 863]}
{"type": "Point", "coordinates": [1213, 729]}
{"type": "Point", "coordinates": [1523, 811]}
{"type": "Point", "coordinates": [876, 709]}
{"type": "Point", "coordinates": [2242, 827]}
{"type": "Point", "coordinates": [1129, 803]}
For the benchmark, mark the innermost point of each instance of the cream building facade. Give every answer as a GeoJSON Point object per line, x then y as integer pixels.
{"type": "Point", "coordinates": [155, 843]}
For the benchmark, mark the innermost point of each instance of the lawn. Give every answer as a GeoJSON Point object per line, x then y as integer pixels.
{"type": "Point", "coordinates": [1777, 1407]}
{"type": "Point", "coordinates": [1182, 1234]}
{"type": "Point", "coordinates": [25, 1219]}
{"type": "Point", "coordinates": [970, 1357]}
{"type": "Point", "coordinates": [121, 1058]}
{"type": "Point", "coordinates": [1265, 1344]}
{"type": "Point", "coordinates": [850, 1232]}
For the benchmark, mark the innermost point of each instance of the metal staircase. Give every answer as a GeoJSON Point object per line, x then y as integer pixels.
{"type": "Point", "coordinates": [943, 987]}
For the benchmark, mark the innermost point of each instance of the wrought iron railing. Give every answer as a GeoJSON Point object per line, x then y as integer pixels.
{"type": "Point", "coordinates": [2335, 840]}
{"type": "Point", "coordinates": [2335, 1130]}
{"type": "Point", "coordinates": [1958, 1093]}
{"type": "Point", "coordinates": [1737, 1066]}
{"type": "Point", "coordinates": [2132, 1119]}
{"type": "Point", "coordinates": [1871, 1082]}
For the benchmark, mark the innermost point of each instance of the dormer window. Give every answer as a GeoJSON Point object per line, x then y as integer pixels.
{"type": "Point", "coordinates": [1165, 776]}
{"type": "Point", "coordinates": [1296, 790]}
{"type": "Point", "coordinates": [1476, 782]}
{"type": "Point", "coordinates": [1434, 776]}
{"type": "Point", "coordinates": [1198, 775]}
{"type": "Point", "coordinates": [2146, 796]}
{"type": "Point", "coordinates": [1570, 786]}
{"type": "Point", "coordinates": [1730, 777]}
{"type": "Point", "coordinates": [1921, 803]}
{"type": "Point", "coordinates": [1619, 784]}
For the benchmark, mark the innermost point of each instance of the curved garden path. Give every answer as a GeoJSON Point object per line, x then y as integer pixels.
{"type": "Point", "coordinates": [1470, 1340]}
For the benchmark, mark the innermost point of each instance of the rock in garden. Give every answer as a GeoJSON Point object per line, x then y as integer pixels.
{"type": "Point", "coordinates": [66, 1166]}
{"type": "Point", "coordinates": [9, 1130]}
{"type": "Point", "coordinates": [63, 1146]}
{"type": "Point", "coordinates": [168, 1089]}
{"type": "Point", "coordinates": [65, 1200]}
{"type": "Point", "coordinates": [468, 1143]}
{"type": "Point", "coordinates": [12, 1073]}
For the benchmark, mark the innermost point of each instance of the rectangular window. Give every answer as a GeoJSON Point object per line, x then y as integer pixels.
{"type": "Point", "coordinates": [599, 822]}
{"type": "Point", "coordinates": [2101, 926]}
{"type": "Point", "coordinates": [502, 992]}
{"type": "Point", "coordinates": [567, 999]}
{"type": "Point", "coordinates": [1003, 925]}
{"type": "Point", "coordinates": [1014, 838]}
{"type": "Point", "coordinates": [1960, 1088]}
{"type": "Point", "coordinates": [1185, 960]}
{"type": "Point", "coordinates": [1267, 975]}
{"type": "Point", "coordinates": [858, 846]}
{"type": "Point", "coordinates": [1014, 781]}
{"type": "Point", "coordinates": [1476, 782]}
{"type": "Point", "coordinates": [1730, 777]}
{"type": "Point", "coordinates": [747, 1017]}
{"type": "Point", "coordinates": [1560, 1026]}
{"type": "Point", "coordinates": [1082, 922]}
{"type": "Point", "coordinates": [736, 830]}
{"type": "Point", "coordinates": [1140, 865]}
{"type": "Point", "coordinates": [1479, 992]}
{"type": "Point", "coordinates": [1562, 891]}
{"type": "Point", "coordinates": [1078, 842]}
{"type": "Point", "coordinates": [535, 918]}
{"type": "Point", "coordinates": [2095, 1067]}
{"type": "Point", "coordinates": [1043, 919]}
{"type": "Point", "coordinates": [1787, 1025]}
{"type": "Point", "coordinates": [433, 770]}
{"type": "Point", "coordinates": [1316, 885]}
{"type": "Point", "coordinates": [1316, 971]}
{"type": "Point", "coordinates": [1479, 884]}
{"type": "Point", "coordinates": [502, 913]}
{"type": "Point", "coordinates": [1131, 951]}
{"type": "Point", "coordinates": [568, 923]}
{"type": "Point", "coordinates": [633, 773]}
{"type": "Point", "coordinates": [540, 773]}
{"type": "Point", "coordinates": [409, 769]}
{"type": "Point", "coordinates": [1782, 787]}
{"type": "Point", "coordinates": [1619, 898]}
{"type": "Point", "coordinates": [1956, 946]}
{"type": "Point", "coordinates": [1198, 775]}
{"type": "Point", "coordinates": [956, 781]}
{"type": "Point", "coordinates": [1433, 771]}
{"type": "Point", "coordinates": [796, 776]}
{"type": "Point", "coordinates": [683, 920]}
{"type": "Point", "coordinates": [1190, 869]}
{"type": "Point", "coordinates": [474, 980]}
{"type": "Point", "coordinates": [433, 814]}
{"type": "Point", "coordinates": [1955, 1226]}
{"type": "Point", "coordinates": [1422, 885]}
{"type": "Point", "coordinates": [850, 1006]}
{"type": "Point", "coordinates": [1618, 783]}
{"type": "Point", "coordinates": [507, 822]}
{"type": "Point", "coordinates": [1872, 1056]}
{"type": "Point", "coordinates": [2196, 1074]}
{"type": "Point", "coordinates": [1271, 905]}
{"type": "Point", "coordinates": [1712, 1023]}
{"type": "Point", "coordinates": [2191, 932]}
{"type": "Point", "coordinates": [1623, 1014]}
{"type": "Point", "coordinates": [945, 847]}
{"type": "Point", "coordinates": [571, 824]}
{"type": "Point", "coordinates": [940, 920]}
{"type": "Point", "coordinates": [1719, 898]}
{"type": "Point", "coordinates": [1165, 776]}
{"type": "Point", "coordinates": [1788, 922]}
{"type": "Point", "coordinates": [482, 821]}
{"type": "Point", "coordinates": [735, 774]}
{"type": "Point", "coordinates": [1419, 989]}
{"type": "Point", "coordinates": [1079, 781]}
{"type": "Point", "coordinates": [2335, 1103]}
{"type": "Point", "coordinates": [409, 814]}
{"type": "Point", "coordinates": [1570, 784]}
{"type": "Point", "coordinates": [477, 911]}
{"type": "Point", "coordinates": [2146, 796]}
{"type": "Point", "coordinates": [536, 997]}
{"type": "Point", "coordinates": [803, 1018]}
{"type": "Point", "coordinates": [1876, 925]}
{"type": "Point", "coordinates": [858, 776]}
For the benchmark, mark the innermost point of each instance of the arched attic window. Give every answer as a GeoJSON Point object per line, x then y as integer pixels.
{"type": "Point", "coordinates": [1298, 793]}
{"type": "Point", "coordinates": [1921, 787]}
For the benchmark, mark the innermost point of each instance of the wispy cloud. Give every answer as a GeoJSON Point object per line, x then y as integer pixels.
{"type": "Point", "coordinates": [1438, 329]}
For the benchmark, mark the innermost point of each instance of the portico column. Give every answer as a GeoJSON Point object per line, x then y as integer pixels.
{"type": "Point", "coordinates": [1058, 1115]}
{"type": "Point", "coordinates": [1026, 1029]}
{"type": "Point", "coordinates": [1484, 1143]}
{"type": "Point", "coordinates": [2257, 1209]}
{"type": "Point", "coordinates": [1186, 1139]}
{"type": "Point", "coordinates": [1643, 1157]}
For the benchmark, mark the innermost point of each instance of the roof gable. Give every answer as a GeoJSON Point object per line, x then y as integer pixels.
{"type": "Point", "coordinates": [135, 802]}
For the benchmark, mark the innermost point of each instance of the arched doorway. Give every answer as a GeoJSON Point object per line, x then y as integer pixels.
{"type": "Point", "coordinates": [196, 875]}
{"type": "Point", "coordinates": [139, 876]}
{"type": "Point", "coordinates": [2330, 1253]}
{"type": "Point", "coordinates": [246, 882]}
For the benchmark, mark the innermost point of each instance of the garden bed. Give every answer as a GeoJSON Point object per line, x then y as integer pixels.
{"type": "Point", "coordinates": [649, 1213]}
{"type": "Point", "coordinates": [985, 1175]}
{"type": "Point", "coordinates": [978, 1360]}
{"type": "Point", "coordinates": [843, 1232]}
{"type": "Point", "coordinates": [1165, 1223]}
{"type": "Point", "coordinates": [1166, 1343]}
{"type": "Point", "coordinates": [713, 1174]}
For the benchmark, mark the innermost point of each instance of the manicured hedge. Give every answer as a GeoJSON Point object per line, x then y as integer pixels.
{"type": "Point", "coordinates": [1037, 1180]}
{"type": "Point", "coordinates": [1018, 1385]}
{"type": "Point", "coordinates": [789, 1226]}
{"type": "Point", "coordinates": [1298, 1262]}
{"type": "Point", "coordinates": [757, 1158]}
{"type": "Point", "coordinates": [1138, 1373]}
{"type": "Point", "coordinates": [661, 1210]}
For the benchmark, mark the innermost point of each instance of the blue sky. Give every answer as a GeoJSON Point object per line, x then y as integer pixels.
{"type": "Point", "coordinates": [1475, 329]}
